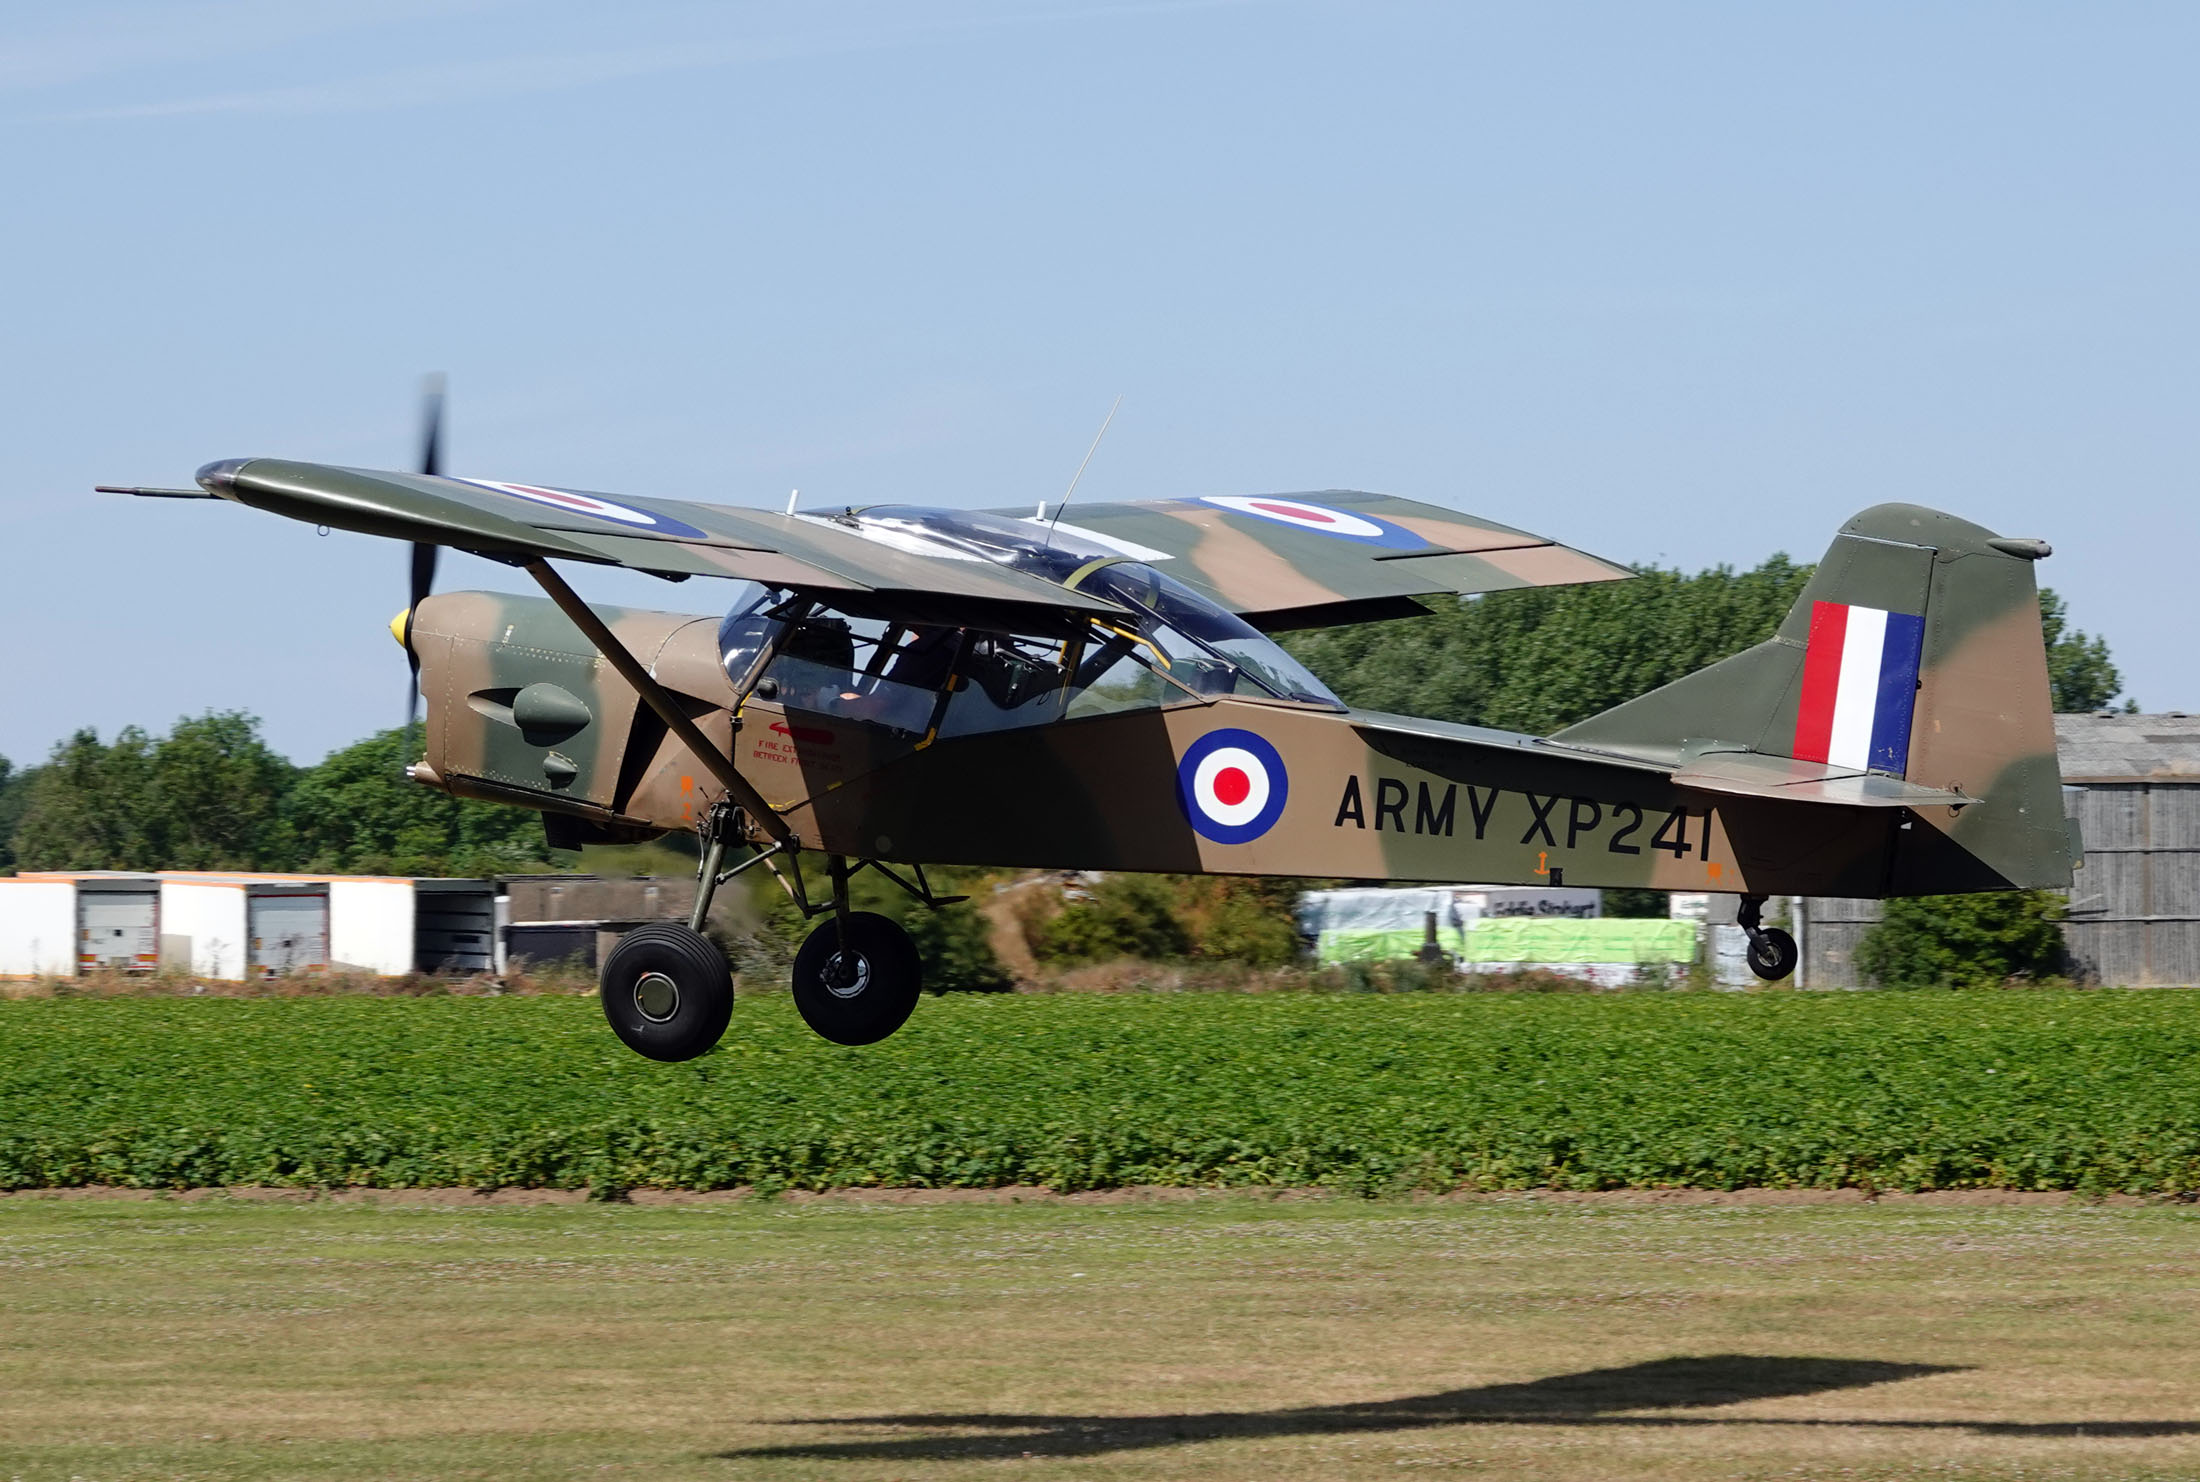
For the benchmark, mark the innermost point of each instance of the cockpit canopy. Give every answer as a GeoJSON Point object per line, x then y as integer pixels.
{"type": "Point", "coordinates": [1170, 646]}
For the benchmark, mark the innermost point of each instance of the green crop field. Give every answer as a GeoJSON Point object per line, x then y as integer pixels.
{"type": "Point", "coordinates": [2090, 1091]}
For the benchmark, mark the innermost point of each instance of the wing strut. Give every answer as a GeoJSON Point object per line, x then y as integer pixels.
{"type": "Point", "coordinates": [660, 700]}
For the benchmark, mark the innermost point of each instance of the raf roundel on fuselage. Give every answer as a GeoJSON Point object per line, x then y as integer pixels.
{"type": "Point", "coordinates": [1232, 785]}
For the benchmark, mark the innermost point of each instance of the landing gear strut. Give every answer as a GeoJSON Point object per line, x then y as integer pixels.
{"type": "Point", "coordinates": [1772, 952]}
{"type": "Point", "coordinates": [857, 977]}
{"type": "Point", "coordinates": [668, 992]}
{"type": "Point", "coordinates": [856, 980]}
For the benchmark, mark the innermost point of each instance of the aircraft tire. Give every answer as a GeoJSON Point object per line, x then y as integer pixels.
{"type": "Point", "coordinates": [667, 991]}
{"type": "Point", "coordinates": [1772, 954]}
{"type": "Point", "coordinates": [864, 1006]}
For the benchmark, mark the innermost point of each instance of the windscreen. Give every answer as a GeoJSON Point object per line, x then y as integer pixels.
{"type": "Point", "coordinates": [747, 630]}
{"type": "Point", "coordinates": [1201, 637]}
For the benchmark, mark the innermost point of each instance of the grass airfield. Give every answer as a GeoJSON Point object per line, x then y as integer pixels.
{"type": "Point", "coordinates": [1212, 1336]}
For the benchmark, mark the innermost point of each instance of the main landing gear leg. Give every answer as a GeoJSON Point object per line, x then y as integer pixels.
{"type": "Point", "coordinates": [1772, 953]}
{"type": "Point", "coordinates": [857, 976]}
{"type": "Point", "coordinates": [713, 856]}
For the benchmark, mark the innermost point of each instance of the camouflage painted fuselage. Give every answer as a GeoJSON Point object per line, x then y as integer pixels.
{"type": "Point", "coordinates": [1707, 784]}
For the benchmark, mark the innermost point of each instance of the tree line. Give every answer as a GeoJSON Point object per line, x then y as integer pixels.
{"type": "Point", "coordinates": [1540, 659]}
{"type": "Point", "coordinates": [210, 794]}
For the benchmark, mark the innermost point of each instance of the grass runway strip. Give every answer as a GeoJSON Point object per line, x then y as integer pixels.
{"type": "Point", "coordinates": [2096, 1092]}
{"type": "Point", "coordinates": [1224, 1339]}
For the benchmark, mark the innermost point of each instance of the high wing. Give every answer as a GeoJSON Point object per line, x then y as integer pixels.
{"type": "Point", "coordinates": [1280, 561]}
{"type": "Point", "coordinates": [671, 538]}
{"type": "Point", "coordinates": [1285, 561]}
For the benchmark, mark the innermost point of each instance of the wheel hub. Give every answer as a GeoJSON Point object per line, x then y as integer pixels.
{"type": "Point", "coordinates": [847, 974]}
{"type": "Point", "coordinates": [656, 996]}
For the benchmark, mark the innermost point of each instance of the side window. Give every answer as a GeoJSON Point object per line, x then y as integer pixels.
{"type": "Point", "coordinates": [887, 675]}
{"type": "Point", "coordinates": [1005, 683]}
{"type": "Point", "coordinates": [1010, 682]}
{"type": "Point", "coordinates": [876, 673]}
{"type": "Point", "coordinates": [1115, 675]}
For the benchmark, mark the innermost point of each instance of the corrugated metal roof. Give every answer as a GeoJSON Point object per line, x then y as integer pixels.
{"type": "Point", "coordinates": [2129, 748]}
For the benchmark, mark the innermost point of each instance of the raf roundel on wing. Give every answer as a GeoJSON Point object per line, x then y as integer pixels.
{"type": "Point", "coordinates": [1232, 786]}
{"type": "Point", "coordinates": [1319, 518]}
{"type": "Point", "coordinates": [590, 504]}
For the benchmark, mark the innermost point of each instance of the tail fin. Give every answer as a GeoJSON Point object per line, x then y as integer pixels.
{"type": "Point", "coordinates": [1914, 652]}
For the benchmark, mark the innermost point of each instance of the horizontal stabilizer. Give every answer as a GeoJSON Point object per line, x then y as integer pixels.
{"type": "Point", "coordinates": [1754, 775]}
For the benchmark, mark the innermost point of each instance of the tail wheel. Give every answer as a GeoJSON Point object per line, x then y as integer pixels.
{"type": "Point", "coordinates": [667, 991]}
{"type": "Point", "coordinates": [857, 983]}
{"type": "Point", "coordinates": [1772, 954]}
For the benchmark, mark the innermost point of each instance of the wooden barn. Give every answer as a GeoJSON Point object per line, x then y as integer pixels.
{"type": "Point", "coordinates": [2133, 784]}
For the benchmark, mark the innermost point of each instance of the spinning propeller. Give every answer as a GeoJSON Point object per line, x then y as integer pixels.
{"type": "Point", "coordinates": [423, 554]}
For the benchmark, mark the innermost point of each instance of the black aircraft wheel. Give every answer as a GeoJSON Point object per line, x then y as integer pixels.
{"type": "Point", "coordinates": [1772, 954]}
{"type": "Point", "coordinates": [667, 991]}
{"type": "Point", "coordinates": [859, 991]}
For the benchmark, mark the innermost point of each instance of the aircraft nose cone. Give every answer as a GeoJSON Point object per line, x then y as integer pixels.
{"type": "Point", "coordinates": [221, 477]}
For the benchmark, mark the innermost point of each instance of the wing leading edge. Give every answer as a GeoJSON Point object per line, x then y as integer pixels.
{"type": "Point", "coordinates": [669, 538]}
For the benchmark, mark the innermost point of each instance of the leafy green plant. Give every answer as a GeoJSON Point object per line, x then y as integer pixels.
{"type": "Point", "coordinates": [1545, 657]}
{"type": "Point", "coordinates": [2080, 674]}
{"type": "Point", "coordinates": [208, 795]}
{"type": "Point", "coordinates": [1122, 916]}
{"type": "Point", "coordinates": [2053, 1089]}
{"type": "Point", "coordinates": [14, 787]}
{"type": "Point", "coordinates": [357, 811]}
{"type": "Point", "coordinates": [1965, 941]}
{"type": "Point", "coordinates": [956, 950]}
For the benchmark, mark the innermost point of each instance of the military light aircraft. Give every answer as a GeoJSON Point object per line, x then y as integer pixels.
{"type": "Point", "coordinates": [1097, 690]}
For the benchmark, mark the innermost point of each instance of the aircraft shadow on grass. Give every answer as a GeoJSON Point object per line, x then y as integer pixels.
{"type": "Point", "coordinates": [1592, 1397]}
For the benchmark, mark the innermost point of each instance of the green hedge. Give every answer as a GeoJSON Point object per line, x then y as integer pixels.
{"type": "Point", "coordinates": [2035, 1090]}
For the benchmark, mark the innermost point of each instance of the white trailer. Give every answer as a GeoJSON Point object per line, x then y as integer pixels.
{"type": "Point", "coordinates": [232, 926]}
{"type": "Point", "coordinates": [37, 929]}
{"type": "Point", "coordinates": [205, 929]}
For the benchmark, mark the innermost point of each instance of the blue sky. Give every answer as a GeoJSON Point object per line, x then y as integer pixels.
{"type": "Point", "coordinates": [1676, 283]}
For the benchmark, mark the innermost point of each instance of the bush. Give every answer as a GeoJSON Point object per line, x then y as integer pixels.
{"type": "Point", "coordinates": [956, 949]}
{"type": "Point", "coordinates": [1965, 941]}
{"type": "Point", "coordinates": [1124, 916]}
{"type": "Point", "coordinates": [1241, 929]}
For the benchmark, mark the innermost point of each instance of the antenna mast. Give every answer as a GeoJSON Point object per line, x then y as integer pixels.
{"type": "Point", "coordinates": [1103, 432]}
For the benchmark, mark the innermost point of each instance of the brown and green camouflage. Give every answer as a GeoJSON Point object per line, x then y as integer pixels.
{"type": "Point", "coordinates": [1893, 738]}
{"type": "Point", "coordinates": [1693, 787]}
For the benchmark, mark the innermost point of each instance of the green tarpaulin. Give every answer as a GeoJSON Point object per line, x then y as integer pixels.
{"type": "Point", "coordinates": [1364, 944]}
{"type": "Point", "coordinates": [1525, 939]}
{"type": "Point", "coordinates": [1607, 940]}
